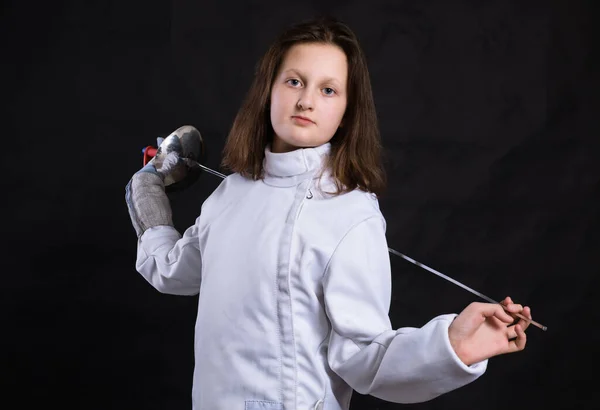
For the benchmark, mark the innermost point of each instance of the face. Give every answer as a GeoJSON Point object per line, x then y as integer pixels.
{"type": "Point", "coordinates": [308, 96]}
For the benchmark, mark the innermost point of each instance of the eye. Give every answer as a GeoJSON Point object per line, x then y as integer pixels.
{"type": "Point", "coordinates": [293, 82]}
{"type": "Point", "coordinates": [328, 91]}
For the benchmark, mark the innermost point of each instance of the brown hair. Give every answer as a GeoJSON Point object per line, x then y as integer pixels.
{"type": "Point", "coordinates": [355, 156]}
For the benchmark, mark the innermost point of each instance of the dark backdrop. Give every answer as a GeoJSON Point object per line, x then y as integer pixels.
{"type": "Point", "coordinates": [489, 118]}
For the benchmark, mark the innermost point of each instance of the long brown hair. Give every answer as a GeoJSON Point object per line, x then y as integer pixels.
{"type": "Point", "coordinates": [355, 158]}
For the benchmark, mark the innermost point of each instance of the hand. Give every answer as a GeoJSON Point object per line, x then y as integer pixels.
{"type": "Point", "coordinates": [171, 160]}
{"type": "Point", "coordinates": [145, 195]}
{"type": "Point", "coordinates": [484, 330]}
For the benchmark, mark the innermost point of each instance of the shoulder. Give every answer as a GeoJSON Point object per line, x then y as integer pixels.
{"type": "Point", "coordinates": [230, 191]}
{"type": "Point", "coordinates": [358, 206]}
{"type": "Point", "coordinates": [333, 216]}
{"type": "Point", "coordinates": [354, 205]}
{"type": "Point", "coordinates": [325, 222]}
{"type": "Point", "coordinates": [363, 200]}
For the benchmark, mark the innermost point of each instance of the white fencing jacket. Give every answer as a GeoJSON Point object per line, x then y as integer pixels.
{"type": "Point", "coordinates": [294, 293]}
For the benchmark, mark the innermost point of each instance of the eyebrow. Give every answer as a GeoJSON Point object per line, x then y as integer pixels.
{"type": "Point", "coordinates": [325, 80]}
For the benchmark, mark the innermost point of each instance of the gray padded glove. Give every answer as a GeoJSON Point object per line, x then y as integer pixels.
{"type": "Point", "coordinates": [145, 195]}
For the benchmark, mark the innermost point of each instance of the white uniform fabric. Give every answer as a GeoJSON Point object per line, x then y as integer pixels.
{"type": "Point", "coordinates": [294, 294]}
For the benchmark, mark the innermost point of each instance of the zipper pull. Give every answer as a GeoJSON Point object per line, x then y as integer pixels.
{"type": "Point", "coordinates": [309, 195]}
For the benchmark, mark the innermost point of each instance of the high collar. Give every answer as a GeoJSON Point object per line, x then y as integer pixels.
{"type": "Point", "coordinates": [290, 168]}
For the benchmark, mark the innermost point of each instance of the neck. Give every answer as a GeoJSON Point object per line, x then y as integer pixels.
{"type": "Point", "coordinates": [289, 168]}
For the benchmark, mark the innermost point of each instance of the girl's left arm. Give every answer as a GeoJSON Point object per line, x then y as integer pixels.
{"type": "Point", "coordinates": [406, 365]}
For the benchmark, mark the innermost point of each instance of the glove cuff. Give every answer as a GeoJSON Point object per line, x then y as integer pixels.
{"type": "Point", "coordinates": [147, 202]}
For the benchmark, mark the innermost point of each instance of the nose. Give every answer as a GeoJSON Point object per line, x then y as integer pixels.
{"type": "Point", "coordinates": [306, 102]}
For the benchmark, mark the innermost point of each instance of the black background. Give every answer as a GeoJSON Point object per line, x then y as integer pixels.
{"type": "Point", "coordinates": [489, 118]}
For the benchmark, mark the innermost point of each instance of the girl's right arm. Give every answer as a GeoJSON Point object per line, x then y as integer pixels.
{"type": "Point", "coordinates": [171, 263]}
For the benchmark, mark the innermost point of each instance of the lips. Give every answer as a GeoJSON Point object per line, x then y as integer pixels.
{"type": "Point", "coordinates": [301, 118]}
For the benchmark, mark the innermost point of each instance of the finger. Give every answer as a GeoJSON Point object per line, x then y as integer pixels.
{"type": "Point", "coordinates": [521, 339]}
{"type": "Point", "coordinates": [507, 301]}
{"type": "Point", "coordinates": [514, 308]}
{"type": "Point", "coordinates": [525, 321]}
{"type": "Point", "coordinates": [492, 309]}
{"type": "Point", "coordinates": [527, 313]}
{"type": "Point", "coordinates": [511, 332]}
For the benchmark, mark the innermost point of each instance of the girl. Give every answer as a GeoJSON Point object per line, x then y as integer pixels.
{"type": "Point", "coordinates": [289, 255]}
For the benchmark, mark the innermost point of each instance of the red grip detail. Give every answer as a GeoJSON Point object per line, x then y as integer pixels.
{"type": "Point", "coordinates": [149, 153]}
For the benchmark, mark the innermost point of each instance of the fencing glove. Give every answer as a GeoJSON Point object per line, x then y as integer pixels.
{"type": "Point", "coordinates": [146, 198]}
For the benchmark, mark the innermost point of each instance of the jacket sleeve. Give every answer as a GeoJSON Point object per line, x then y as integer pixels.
{"type": "Point", "coordinates": [407, 365]}
{"type": "Point", "coordinates": [170, 262]}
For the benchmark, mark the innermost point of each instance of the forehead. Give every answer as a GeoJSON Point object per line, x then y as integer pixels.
{"type": "Point", "coordinates": [317, 60]}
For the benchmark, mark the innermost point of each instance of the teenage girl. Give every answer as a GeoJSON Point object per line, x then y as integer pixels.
{"type": "Point", "coordinates": [289, 254]}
